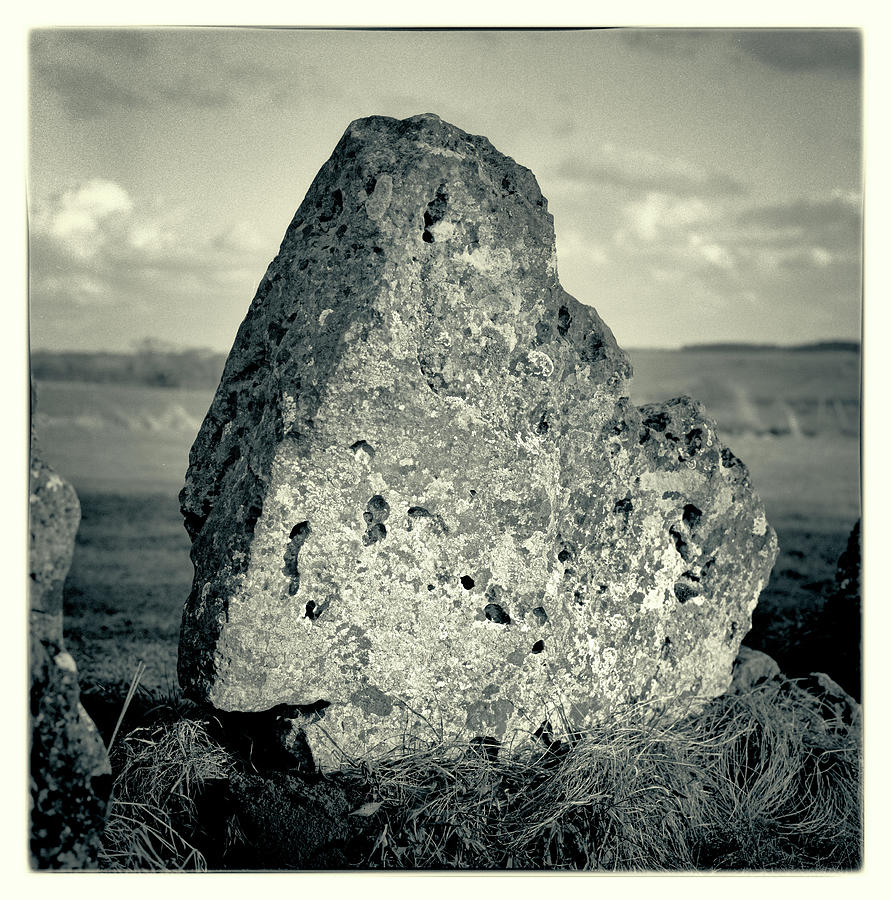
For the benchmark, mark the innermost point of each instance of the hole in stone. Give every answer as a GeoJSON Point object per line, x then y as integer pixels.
{"type": "Point", "coordinates": [564, 320]}
{"type": "Point", "coordinates": [299, 533]}
{"type": "Point", "coordinates": [497, 614]}
{"type": "Point", "coordinates": [370, 185]}
{"type": "Point", "coordinates": [623, 507]}
{"type": "Point", "coordinates": [300, 530]}
{"type": "Point", "coordinates": [728, 459]}
{"type": "Point", "coordinates": [684, 592]}
{"type": "Point", "coordinates": [657, 421]}
{"type": "Point", "coordinates": [665, 652]}
{"type": "Point", "coordinates": [418, 512]}
{"type": "Point", "coordinates": [378, 509]}
{"type": "Point", "coordinates": [680, 543]}
{"type": "Point", "coordinates": [694, 440]}
{"type": "Point", "coordinates": [376, 532]}
{"type": "Point", "coordinates": [311, 613]}
{"type": "Point", "coordinates": [334, 207]}
{"type": "Point", "coordinates": [692, 515]}
{"type": "Point", "coordinates": [362, 445]}
{"type": "Point", "coordinates": [540, 614]}
{"type": "Point", "coordinates": [427, 237]}
{"type": "Point", "coordinates": [538, 646]}
{"type": "Point", "coordinates": [429, 587]}
{"type": "Point", "coordinates": [275, 333]}
{"type": "Point", "coordinates": [467, 582]}
{"type": "Point", "coordinates": [565, 555]}
{"type": "Point", "coordinates": [253, 515]}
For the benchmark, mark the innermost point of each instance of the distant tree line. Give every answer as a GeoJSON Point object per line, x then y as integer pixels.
{"type": "Point", "coordinates": [846, 346]}
{"type": "Point", "coordinates": [149, 364]}
{"type": "Point", "coordinates": [157, 365]}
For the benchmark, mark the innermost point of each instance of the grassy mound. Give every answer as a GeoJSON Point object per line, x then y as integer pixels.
{"type": "Point", "coordinates": [767, 779]}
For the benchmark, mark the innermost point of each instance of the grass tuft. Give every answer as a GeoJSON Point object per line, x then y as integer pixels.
{"type": "Point", "coordinates": [760, 780]}
{"type": "Point", "coordinates": [768, 779]}
{"type": "Point", "coordinates": [160, 771]}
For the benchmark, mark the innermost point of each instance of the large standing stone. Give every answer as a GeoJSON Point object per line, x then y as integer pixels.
{"type": "Point", "coordinates": [70, 772]}
{"type": "Point", "coordinates": [421, 502]}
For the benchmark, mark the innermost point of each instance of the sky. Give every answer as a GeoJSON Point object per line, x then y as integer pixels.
{"type": "Point", "coordinates": [705, 184]}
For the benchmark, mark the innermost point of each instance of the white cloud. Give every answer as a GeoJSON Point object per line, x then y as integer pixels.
{"type": "Point", "coordinates": [79, 219]}
{"type": "Point", "coordinates": [710, 251]}
{"type": "Point", "coordinates": [821, 257]}
{"type": "Point", "coordinates": [649, 218]}
{"type": "Point", "coordinates": [95, 243]}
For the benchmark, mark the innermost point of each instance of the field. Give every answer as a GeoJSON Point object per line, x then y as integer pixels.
{"type": "Point", "coordinates": [792, 417]}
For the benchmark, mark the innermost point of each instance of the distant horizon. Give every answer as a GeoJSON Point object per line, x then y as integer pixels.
{"type": "Point", "coordinates": [174, 348]}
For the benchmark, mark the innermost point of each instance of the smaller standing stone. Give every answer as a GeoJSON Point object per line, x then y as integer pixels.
{"type": "Point", "coordinates": [840, 624]}
{"type": "Point", "coordinates": [70, 771]}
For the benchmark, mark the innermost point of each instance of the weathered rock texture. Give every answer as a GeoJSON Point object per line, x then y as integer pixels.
{"type": "Point", "coordinates": [421, 502]}
{"type": "Point", "coordinates": [70, 773]}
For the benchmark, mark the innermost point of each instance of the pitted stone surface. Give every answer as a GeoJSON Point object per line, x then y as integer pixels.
{"type": "Point", "coordinates": [70, 773]}
{"type": "Point", "coordinates": [421, 494]}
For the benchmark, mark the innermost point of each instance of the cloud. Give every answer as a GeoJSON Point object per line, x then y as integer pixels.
{"type": "Point", "coordinates": [87, 93]}
{"type": "Point", "coordinates": [839, 213]}
{"type": "Point", "coordinates": [792, 50]}
{"type": "Point", "coordinates": [97, 72]}
{"type": "Point", "coordinates": [648, 219]}
{"type": "Point", "coordinates": [95, 243]}
{"type": "Point", "coordinates": [803, 50]}
{"type": "Point", "coordinates": [681, 42]}
{"type": "Point", "coordinates": [128, 42]}
{"type": "Point", "coordinates": [713, 253]}
{"type": "Point", "coordinates": [645, 170]}
{"type": "Point", "coordinates": [806, 233]}
{"type": "Point", "coordinates": [808, 246]}
{"type": "Point", "coordinates": [82, 218]}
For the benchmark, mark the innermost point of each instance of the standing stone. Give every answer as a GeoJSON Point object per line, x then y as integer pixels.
{"type": "Point", "coordinates": [839, 626]}
{"type": "Point", "coordinates": [422, 504]}
{"type": "Point", "coordinates": [70, 772]}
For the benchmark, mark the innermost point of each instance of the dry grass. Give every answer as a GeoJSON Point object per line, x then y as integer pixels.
{"type": "Point", "coordinates": [760, 780]}
{"type": "Point", "coordinates": [160, 770]}
{"type": "Point", "coordinates": [765, 780]}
